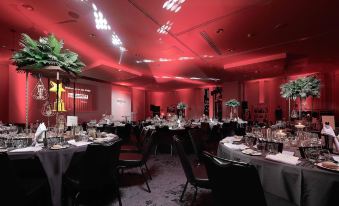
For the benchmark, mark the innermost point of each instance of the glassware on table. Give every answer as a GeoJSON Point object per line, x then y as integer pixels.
{"type": "Point", "coordinates": [312, 154]}
{"type": "Point", "coordinates": [272, 147]}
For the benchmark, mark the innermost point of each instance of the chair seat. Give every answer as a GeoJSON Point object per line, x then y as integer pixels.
{"type": "Point", "coordinates": [201, 177]}
{"type": "Point", "coordinates": [129, 148]}
{"type": "Point", "coordinates": [130, 159]}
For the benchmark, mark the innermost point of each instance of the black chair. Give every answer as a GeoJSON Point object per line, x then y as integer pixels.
{"type": "Point", "coordinates": [199, 140]}
{"type": "Point", "coordinates": [139, 142]}
{"type": "Point", "coordinates": [234, 182]}
{"type": "Point", "coordinates": [132, 160]}
{"type": "Point", "coordinates": [228, 129]}
{"type": "Point", "coordinates": [196, 176]}
{"type": "Point", "coordinates": [163, 138]}
{"type": "Point", "coordinates": [25, 185]}
{"type": "Point", "coordinates": [92, 180]}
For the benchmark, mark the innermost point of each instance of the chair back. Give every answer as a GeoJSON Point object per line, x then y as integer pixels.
{"type": "Point", "coordinates": [98, 168]}
{"type": "Point", "coordinates": [228, 129]}
{"type": "Point", "coordinates": [198, 141]}
{"type": "Point", "coordinates": [205, 126]}
{"type": "Point", "coordinates": [10, 190]}
{"type": "Point", "coordinates": [147, 145]}
{"type": "Point", "coordinates": [109, 129]}
{"type": "Point", "coordinates": [233, 181]}
{"type": "Point", "coordinates": [185, 162]}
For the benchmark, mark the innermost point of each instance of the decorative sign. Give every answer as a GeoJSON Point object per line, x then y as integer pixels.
{"type": "Point", "coordinates": [85, 96]}
{"type": "Point", "coordinates": [72, 121]}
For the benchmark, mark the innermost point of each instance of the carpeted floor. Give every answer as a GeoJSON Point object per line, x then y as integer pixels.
{"type": "Point", "coordinates": [166, 186]}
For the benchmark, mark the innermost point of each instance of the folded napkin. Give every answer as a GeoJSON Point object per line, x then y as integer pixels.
{"type": "Point", "coordinates": [290, 153]}
{"type": "Point", "coordinates": [336, 158]}
{"type": "Point", "coordinates": [78, 144]}
{"type": "Point", "coordinates": [42, 128]}
{"type": "Point", "coordinates": [235, 146]}
{"type": "Point", "coordinates": [328, 130]}
{"type": "Point", "coordinates": [231, 139]}
{"type": "Point", "coordinates": [27, 149]}
{"type": "Point", "coordinates": [287, 159]}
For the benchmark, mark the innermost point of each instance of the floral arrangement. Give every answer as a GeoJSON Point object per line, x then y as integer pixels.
{"type": "Point", "coordinates": [301, 88]}
{"type": "Point", "coordinates": [181, 105]}
{"type": "Point", "coordinates": [308, 86]}
{"type": "Point", "coordinates": [232, 103]}
{"type": "Point", "coordinates": [47, 51]}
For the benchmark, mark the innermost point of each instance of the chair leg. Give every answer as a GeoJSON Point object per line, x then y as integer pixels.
{"type": "Point", "coordinates": [183, 192]}
{"type": "Point", "coordinates": [143, 174]}
{"type": "Point", "coordinates": [155, 151]}
{"type": "Point", "coordinates": [195, 195]}
{"type": "Point", "coordinates": [149, 174]}
{"type": "Point", "coordinates": [171, 150]}
{"type": "Point", "coordinates": [118, 194]}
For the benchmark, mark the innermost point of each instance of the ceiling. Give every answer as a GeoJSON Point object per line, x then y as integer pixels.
{"type": "Point", "coordinates": [205, 38]}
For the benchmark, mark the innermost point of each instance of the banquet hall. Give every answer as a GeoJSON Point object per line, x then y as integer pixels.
{"type": "Point", "coordinates": [169, 102]}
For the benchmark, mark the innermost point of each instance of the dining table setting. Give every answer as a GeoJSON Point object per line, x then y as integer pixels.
{"type": "Point", "coordinates": [54, 151]}
{"type": "Point", "coordinates": [301, 174]}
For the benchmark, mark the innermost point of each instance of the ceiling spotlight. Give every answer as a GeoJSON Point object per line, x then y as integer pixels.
{"type": "Point", "coordinates": [173, 5]}
{"type": "Point", "coordinates": [164, 60]}
{"type": "Point", "coordinates": [3, 46]}
{"type": "Point", "coordinates": [185, 58]}
{"type": "Point", "coordinates": [164, 29]}
{"type": "Point", "coordinates": [28, 7]}
{"type": "Point", "coordinates": [147, 60]}
{"type": "Point", "coordinates": [166, 77]}
{"type": "Point", "coordinates": [195, 78]}
{"type": "Point", "coordinates": [250, 35]}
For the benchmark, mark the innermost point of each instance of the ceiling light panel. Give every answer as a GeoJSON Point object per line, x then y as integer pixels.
{"type": "Point", "coordinates": [100, 21]}
{"type": "Point", "coordinates": [164, 29]}
{"type": "Point", "coordinates": [173, 5]}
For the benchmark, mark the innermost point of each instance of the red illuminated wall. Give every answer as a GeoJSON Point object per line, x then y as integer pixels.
{"type": "Point", "coordinates": [138, 104]}
{"type": "Point", "coordinates": [194, 98]}
{"type": "Point", "coordinates": [4, 92]}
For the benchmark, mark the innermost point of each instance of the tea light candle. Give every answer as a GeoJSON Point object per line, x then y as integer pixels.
{"type": "Point", "coordinates": [299, 126]}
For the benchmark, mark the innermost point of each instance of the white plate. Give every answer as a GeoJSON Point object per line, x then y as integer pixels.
{"type": "Point", "coordinates": [251, 152]}
{"type": "Point", "coordinates": [320, 164]}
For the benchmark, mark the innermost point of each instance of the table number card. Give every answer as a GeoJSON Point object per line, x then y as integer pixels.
{"type": "Point", "coordinates": [72, 121]}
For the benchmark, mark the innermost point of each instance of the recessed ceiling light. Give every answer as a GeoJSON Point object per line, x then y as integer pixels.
{"type": "Point", "coordinates": [179, 77]}
{"type": "Point", "coordinates": [219, 31]}
{"type": "Point", "coordinates": [250, 35]}
{"type": "Point", "coordinates": [92, 35]}
{"type": "Point", "coordinates": [195, 78]}
{"type": "Point", "coordinates": [280, 26]}
{"type": "Point", "coordinates": [73, 15]}
{"type": "Point", "coordinates": [28, 7]}
{"type": "Point", "coordinates": [3, 46]}
{"type": "Point", "coordinates": [119, 70]}
{"type": "Point", "coordinates": [166, 77]}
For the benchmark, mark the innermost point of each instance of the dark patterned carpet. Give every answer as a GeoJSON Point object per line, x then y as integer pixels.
{"type": "Point", "coordinates": [166, 186]}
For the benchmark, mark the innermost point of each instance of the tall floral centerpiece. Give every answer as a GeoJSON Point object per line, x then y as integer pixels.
{"type": "Point", "coordinates": [301, 88]}
{"type": "Point", "coordinates": [181, 109]}
{"type": "Point", "coordinates": [45, 57]}
{"type": "Point", "coordinates": [233, 104]}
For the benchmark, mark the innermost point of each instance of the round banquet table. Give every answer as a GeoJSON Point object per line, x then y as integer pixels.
{"type": "Point", "coordinates": [55, 164]}
{"type": "Point", "coordinates": [303, 186]}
